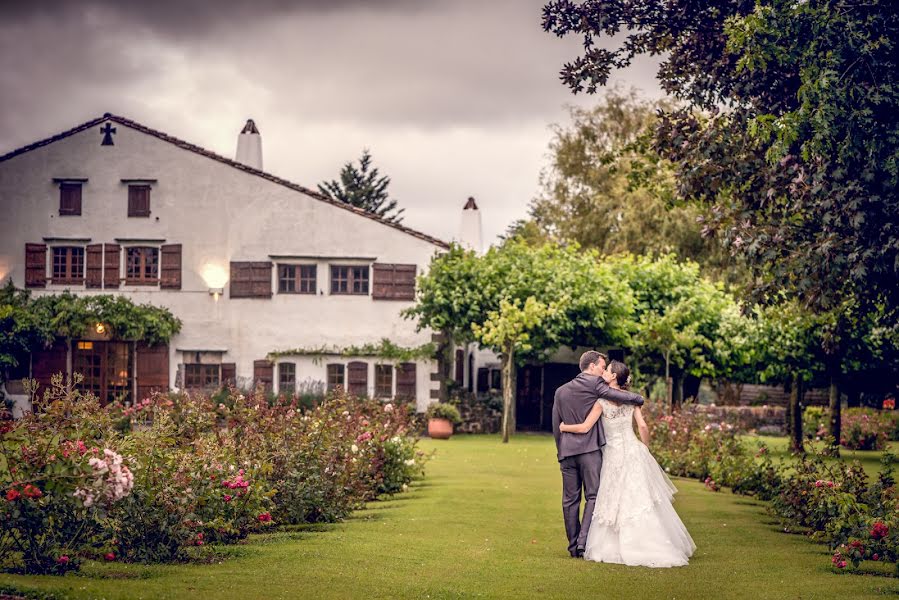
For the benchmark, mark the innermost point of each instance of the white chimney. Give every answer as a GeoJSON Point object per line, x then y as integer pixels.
{"type": "Point", "coordinates": [249, 146]}
{"type": "Point", "coordinates": [470, 228]}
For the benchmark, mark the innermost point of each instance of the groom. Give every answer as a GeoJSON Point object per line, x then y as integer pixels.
{"type": "Point", "coordinates": [580, 456]}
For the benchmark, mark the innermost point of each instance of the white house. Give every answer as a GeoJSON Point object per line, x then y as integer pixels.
{"type": "Point", "coordinates": [252, 264]}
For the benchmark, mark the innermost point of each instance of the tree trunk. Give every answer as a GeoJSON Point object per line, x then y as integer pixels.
{"type": "Point", "coordinates": [444, 345]}
{"type": "Point", "coordinates": [677, 391]}
{"type": "Point", "coordinates": [691, 386]}
{"type": "Point", "coordinates": [668, 400]}
{"type": "Point", "coordinates": [508, 359]}
{"type": "Point", "coordinates": [788, 410]}
{"type": "Point", "coordinates": [835, 417]}
{"type": "Point", "coordinates": [795, 415]}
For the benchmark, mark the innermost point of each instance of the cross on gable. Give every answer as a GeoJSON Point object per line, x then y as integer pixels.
{"type": "Point", "coordinates": [107, 131]}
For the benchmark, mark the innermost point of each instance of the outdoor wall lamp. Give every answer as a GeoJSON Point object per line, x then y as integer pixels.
{"type": "Point", "coordinates": [216, 292]}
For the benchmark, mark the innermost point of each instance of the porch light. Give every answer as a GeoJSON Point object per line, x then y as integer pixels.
{"type": "Point", "coordinates": [100, 328]}
{"type": "Point", "coordinates": [216, 292]}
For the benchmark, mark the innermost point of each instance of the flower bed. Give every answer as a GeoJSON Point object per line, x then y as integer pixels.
{"type": "Point", "coordinates": [150, 482]}
{"type": "Point", "coordinates": [861, 428]}
{"type": "Point", "coordinates": [829, 499]}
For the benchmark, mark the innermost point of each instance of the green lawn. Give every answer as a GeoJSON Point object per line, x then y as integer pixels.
{"type": "Point", "coordinates": [486, 523]}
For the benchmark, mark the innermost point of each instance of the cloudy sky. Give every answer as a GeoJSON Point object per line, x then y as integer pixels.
{"type": "Point", "coordinates": [454, 98]}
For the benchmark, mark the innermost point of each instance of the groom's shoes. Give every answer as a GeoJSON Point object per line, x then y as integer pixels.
{"type": "Point", "coordinates": [579, 553]}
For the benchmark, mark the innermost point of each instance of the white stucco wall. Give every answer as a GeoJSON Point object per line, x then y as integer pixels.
{"type": "Point", "coordinates": [219, 214]}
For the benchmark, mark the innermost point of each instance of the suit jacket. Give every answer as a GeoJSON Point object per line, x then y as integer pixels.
{"type": "Point", "coordinates": [573, 402]}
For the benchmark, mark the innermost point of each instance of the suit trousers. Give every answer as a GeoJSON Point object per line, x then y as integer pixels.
{"type": "Point", "coordinates": [579, 473]}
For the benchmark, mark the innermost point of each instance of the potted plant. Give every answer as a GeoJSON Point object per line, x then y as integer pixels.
{"type": "Point", "coordinates": [441, 418]}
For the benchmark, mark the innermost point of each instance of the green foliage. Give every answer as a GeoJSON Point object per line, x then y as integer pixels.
{"type": "Point", "coordinates": [28, 323]}
{"type": "Point", "coordinates": [365, 188]}
{"type": "Point", "coordinates": [154, 481]}
{"type": "Point", "coordinates": [71, 316]}
{"type": "Point", "coordinates": [682, 318]}
{"type": "Point", "coordinates": [605, 189]}
{"type": "Point", "coordinates": [385, 349]}
{"type": "Point", "coordinates": [592, 307]}
{"type": "Point", "coordinates": [442, 410]}
{"type": "Point", "coordinates": [788, 141]}
{"type": "Point", "coordinates": [21, 329]}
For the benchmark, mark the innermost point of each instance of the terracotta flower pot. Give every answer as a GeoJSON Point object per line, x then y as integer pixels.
{"type": "Point", "coordinates": [440, 429]}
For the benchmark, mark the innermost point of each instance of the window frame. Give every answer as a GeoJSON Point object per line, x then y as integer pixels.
{"type": "Point", "coordinates": [205, 369]}
{"type": "Point", "coordinates": [69, 264]}
{"type": "Point", "coordinates": [142, 279]}
{"type": "Point", "coordinates": [282, 367]}
{"type": "Point", "coordinates": [303, 278]}
{"type": "Point", "coordinates": [356, 276]}
{"type": "Point", "coordinates": [329, 371]}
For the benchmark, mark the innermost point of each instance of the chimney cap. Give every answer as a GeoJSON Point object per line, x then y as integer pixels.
{"type": "Point", "coordinates": [250, 127]}
{"type": "Point", "coordinates": [471, 204]}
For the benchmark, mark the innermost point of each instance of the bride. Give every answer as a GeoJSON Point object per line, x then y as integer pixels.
{"type": "Point", "coordinates": [634, 522]}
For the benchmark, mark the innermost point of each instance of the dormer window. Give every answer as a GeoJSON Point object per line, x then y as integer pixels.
{"type": "Point", "coordinates": [69, 196]}
{"type": "Point", "coordinates": [139, 196]}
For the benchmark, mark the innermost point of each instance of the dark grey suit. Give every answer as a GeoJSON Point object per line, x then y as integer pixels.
{"type": "Point", "coordinates": [580, 454]}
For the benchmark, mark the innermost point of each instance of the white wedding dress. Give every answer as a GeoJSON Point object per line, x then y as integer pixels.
{"type": "Point", "coordinates": [634, 522]}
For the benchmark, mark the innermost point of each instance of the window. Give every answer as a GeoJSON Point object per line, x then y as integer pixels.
{"type": "Point", "coordinates": [383, 381]}
{"type": "Point", "coordinates": [287, 378]}
{"type": "Point", "coordinates": [69, 199]}
{"type": "Point", "coordinates": [142, 265]}
{"type": "Point", "coordinates": [202, 376]}
{"type": "Point", "coordinates": [296, 279]}
{"type": "Point", "coordinates": [335, 377]}
{"type": "Point", "coordinates": [68, 264]}
{"type": "Point", "coordinates": [349, 280]}
{"type": "Point", "coordinates": [138, 200]}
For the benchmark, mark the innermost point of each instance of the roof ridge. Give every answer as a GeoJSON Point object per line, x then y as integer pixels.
{"type": "Point", "coordinates": [232, 163]}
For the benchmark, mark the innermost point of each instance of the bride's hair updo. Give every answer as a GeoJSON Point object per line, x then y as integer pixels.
{"type": "Point", "coordinates": [622, 374]}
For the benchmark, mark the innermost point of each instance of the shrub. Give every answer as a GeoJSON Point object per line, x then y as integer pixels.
{"type": "Point", "coordinates": [444, 410]}
{"type": "Point", "coordinates": [148, 482]}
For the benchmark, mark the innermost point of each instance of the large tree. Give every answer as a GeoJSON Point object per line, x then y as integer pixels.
{"type": "Point", "coordinates": [364, 187]}
{"type": "Point", "coordinates": [604, 190]}
{"type": "Point", "coordinates": [789, 140]}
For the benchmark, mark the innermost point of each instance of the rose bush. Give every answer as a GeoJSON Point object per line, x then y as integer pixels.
{"type": "Point", "coordinates": [149, 482]}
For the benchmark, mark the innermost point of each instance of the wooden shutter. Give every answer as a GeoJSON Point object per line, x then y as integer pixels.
{"type": "Point", "coordinates": [460, 366]}
{"type": "Point", "coordinates": [93, 266]}
{"type": "Point", "coordinates": [393, 282]}
{"type": "Point", "coordinates": [151, 366]}
{"type": "Point", "coordinates": [69, 199]}
{"type": "Point", "coordinates": [170, 267]}
{"type": "Point", "coordinates": [263, 374]}
{"type": "Point", "coordinates": [251, 280]}
{"type": "Point", "coordinates": [229, 374]}
{"type": "Point", "coordinates": [47, 362]}
{"type": "Point", "coordinates": [138, 200]}
{"type": "Point", "coordinates": [35, 265]}
{"type": "Point", "coordinates": [111, 253]}
{"type": "Point", "coordinates": [405, 381]}
{"type": "Point", "coordinates": [357, 379]}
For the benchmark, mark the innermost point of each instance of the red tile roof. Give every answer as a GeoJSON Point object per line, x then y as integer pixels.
{"type": "Point", "coordinates": [209, 154]}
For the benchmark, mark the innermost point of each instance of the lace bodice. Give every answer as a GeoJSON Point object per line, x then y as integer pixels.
{"type": "Point", "coordinates": [617, 420]}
